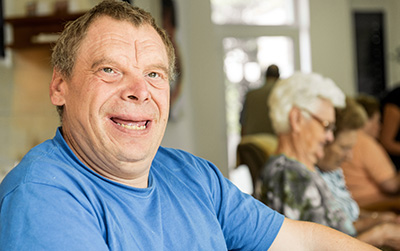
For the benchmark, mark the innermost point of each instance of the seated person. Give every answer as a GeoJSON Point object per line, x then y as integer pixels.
{"type": "Point", "coordinates": [376, 228]}
{"type": "Point", "coordinates": [304, 123]}
{"type": "Point", "coordinates": [105, 183]}
{"type": "Point", "coordinates": [370, 174]}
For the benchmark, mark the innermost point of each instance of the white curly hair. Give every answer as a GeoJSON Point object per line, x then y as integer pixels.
{"type": "Point", "coordinates": [302, 90]}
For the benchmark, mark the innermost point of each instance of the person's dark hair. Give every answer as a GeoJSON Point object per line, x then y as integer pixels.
{"type": "Point", "coordinates": [351, 117]}
{"type": "Point", "coordinates": [370, 104]}
{"type": "Point", "coordinates": [66, 48]}
{"type": "Point", "coordinates": [272, 71]}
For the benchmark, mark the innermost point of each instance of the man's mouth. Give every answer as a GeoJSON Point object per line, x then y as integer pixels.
{"type": "Point", "coordinates": [131, 125]}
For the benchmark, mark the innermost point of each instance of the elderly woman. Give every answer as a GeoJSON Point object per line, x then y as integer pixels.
{"type": "Point", "coordinates": [375, 228]}
{"type": "Point", "coordinates": [303, 116]}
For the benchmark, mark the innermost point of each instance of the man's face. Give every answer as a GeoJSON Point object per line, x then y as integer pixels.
{"type": "Point", "coordinates": [117, 101]}
{"type": "Point", "coordinates": [338, 151]}
{"type": "Point", "coordinates": [314, 135]}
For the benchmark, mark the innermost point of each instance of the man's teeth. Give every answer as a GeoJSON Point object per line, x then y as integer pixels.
{"type": "Point", "coordinates": [132, 127]}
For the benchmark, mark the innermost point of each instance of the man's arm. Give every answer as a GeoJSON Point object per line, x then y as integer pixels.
{"type": "Point", "coordinates": [301, 235]}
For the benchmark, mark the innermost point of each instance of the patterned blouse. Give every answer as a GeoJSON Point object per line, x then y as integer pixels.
{"type": "Point", "coordinates": [290, 188]}
{"type": "Point", "coordinates": [337, 184]}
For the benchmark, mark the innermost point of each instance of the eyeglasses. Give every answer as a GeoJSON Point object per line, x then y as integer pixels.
{"type": "Point", "coordinates": [328, 126]}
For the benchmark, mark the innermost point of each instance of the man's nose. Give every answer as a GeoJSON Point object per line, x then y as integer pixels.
{"type": "Point", "coordinates": [136, 90]}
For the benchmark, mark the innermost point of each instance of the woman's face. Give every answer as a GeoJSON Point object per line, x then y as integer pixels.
{"type": "Point", "coordinates": [316, 132]}
{"type": "Point", "coordinates": [338, 151]}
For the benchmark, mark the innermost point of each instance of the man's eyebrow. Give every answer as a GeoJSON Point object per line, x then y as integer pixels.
{"type": "Point", "coordinates": [160, 67]}
{"type": "Point", "coordinates": [102, 61]}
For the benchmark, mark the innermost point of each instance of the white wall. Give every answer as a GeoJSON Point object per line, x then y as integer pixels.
{"type": "Point", "coordinates": [332, 39]}
{"type": "Point", "coordinates": [332, 43]}
{"type": "Point", "coordinates": [203, 121]}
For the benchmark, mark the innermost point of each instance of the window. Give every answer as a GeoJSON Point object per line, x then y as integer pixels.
{"type": "Point", "coordinates": [252, 12]}
{"type": "Point", "coordinates": [245, 63]}
{"type": "Point", "coordinates": [255, 34]}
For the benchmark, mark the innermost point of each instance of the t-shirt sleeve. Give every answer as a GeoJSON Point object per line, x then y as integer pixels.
{"type": "Point", "coordinates": [50, 220]}
{"type": "Point", "coordinates": [247, 223]}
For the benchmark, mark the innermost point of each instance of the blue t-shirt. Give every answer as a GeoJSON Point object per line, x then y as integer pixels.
{"type": "Point", "coordinates": [52, 201]}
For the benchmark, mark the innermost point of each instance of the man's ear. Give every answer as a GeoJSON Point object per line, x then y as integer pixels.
{"type": "Point", "coordinates": [295, 119]}
{"type": "Point", "coordinates": [58, 88]}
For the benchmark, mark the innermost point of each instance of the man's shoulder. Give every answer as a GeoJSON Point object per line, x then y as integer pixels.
{"type": "Point", "coordinates": [180, 163]}
{"type": "Point", "coordinates": [44, 164]}
{"type": "Point", "coordinates": [178, 159]}
{"type": "Point", "coordinates": [257, 92]}
{"type": "Point", "coordinates": [166, 154]}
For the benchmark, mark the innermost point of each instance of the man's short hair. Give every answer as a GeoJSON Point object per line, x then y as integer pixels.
{"type": "Point", "coordinates": [272, 71]}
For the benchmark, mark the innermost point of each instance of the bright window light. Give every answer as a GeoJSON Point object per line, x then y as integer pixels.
{"type": "Point", "coordinates": [252, 12]}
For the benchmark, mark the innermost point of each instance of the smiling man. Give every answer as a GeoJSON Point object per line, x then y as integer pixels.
{"type": "Point", "coordinates": [123, 123]}
{"type": "Point", "coordinates": [104, 183]}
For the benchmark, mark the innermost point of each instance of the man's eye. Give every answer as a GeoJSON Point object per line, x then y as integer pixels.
{"type": "Point", "coordinates": [153, 74]}
{"type": "Point", "coordinates": [108, 70]}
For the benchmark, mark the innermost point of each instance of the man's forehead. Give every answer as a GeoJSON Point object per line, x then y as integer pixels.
{"type": "Point", "coordinates": [106, 29]}
{"type": "Point", "coordinates": [110, 24]}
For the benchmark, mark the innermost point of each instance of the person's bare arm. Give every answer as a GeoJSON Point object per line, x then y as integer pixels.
{"type": "Point", "coordinates": [369, 219]}
{"type": "Point", "coordinates": [383, 235]}
{"type": "Point", "coordinates": [391, 186]}
{"type": "Point", "coordinates": [300, 235]}
{"type": "Point", "coordinates": [390, 127]}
